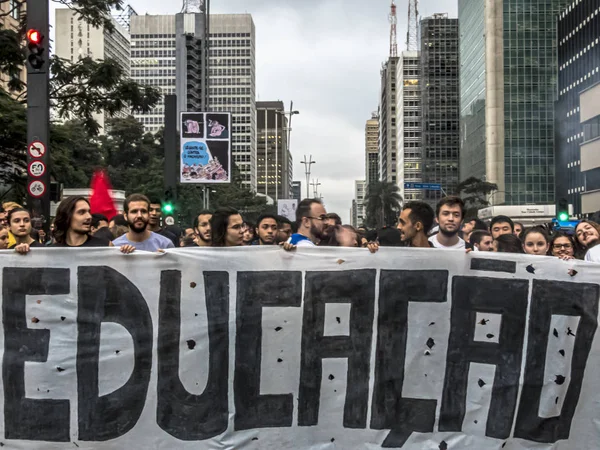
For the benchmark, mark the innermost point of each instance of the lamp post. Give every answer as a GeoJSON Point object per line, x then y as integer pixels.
{"type": "Point", "coordinates": [315, 185]}
{"type": "Point", "coordinates": [307, 163]}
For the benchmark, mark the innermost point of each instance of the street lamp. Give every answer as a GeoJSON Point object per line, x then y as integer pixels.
{"type": "Point", "coordinates": [307, 164]}
{"type": "Point", "coordinates": [315, 186]}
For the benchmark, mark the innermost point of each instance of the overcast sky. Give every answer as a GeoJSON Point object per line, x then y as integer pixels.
{"type": "Point", "coordinates": [326, 56]}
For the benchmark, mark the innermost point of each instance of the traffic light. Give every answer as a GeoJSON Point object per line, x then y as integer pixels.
{"type": "Point", "coordinates": [168, 206]}
{"type": "Point", "coordinates": [36, 51]}
{"type": "Point", "coordinates": [562, 210]}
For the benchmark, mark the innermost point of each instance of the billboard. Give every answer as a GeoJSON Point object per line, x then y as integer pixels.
{"type": "Point", "coordinates": [205, 147]}
{"type": "Point", "coordinates": [287, 208]}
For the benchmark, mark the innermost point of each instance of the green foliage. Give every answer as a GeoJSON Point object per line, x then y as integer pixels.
{"type": "Point", "coordinates": [85, 87]}
{"type": "Point", "coordinates": [382, 204]}
{"type": "Point", "coordinates": [475, 192]}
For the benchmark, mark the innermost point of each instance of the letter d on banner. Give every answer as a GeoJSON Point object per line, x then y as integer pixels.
{"type": "Point", "coordinates": [107, 296]}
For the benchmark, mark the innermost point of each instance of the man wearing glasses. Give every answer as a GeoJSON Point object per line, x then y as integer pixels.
{"type": "Point", "coordinates": [310, 217]}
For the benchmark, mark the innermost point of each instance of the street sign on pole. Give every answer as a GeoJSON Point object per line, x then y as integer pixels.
{"type": "Point", "coordinates": [38, 113]}
{"type": "Point", "coordinates": [428, 186]}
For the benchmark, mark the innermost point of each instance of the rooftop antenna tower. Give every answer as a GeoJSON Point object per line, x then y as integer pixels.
{"type": "Point", "coordinates": [393, 40]}
{"type": "Point", "coordinates": [192, 6]}
{"type": "Point", "coordinates": [412, 37]}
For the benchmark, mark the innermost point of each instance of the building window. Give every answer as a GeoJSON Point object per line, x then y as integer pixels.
{"type": "Point", "coordinates": [15, 9]}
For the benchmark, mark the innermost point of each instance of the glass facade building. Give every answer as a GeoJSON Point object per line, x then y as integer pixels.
{"type": "Point", "coordinates": [527, 80]}
{"type": "Point", "coordinates": [472, 88]}
{"type": "Point", "coordinates": [577, 132]}
{"type": "Point", "coordinates": [530, 83]}
{"type": "Point", "coordinates": [439, 104]}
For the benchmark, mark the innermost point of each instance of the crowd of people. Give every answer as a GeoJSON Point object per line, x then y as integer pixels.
{"type": "Point", "coordinates": [139, 228]}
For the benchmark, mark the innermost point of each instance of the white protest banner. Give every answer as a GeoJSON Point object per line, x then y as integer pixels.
{"type": "Point", "coordinates": [318, 348]}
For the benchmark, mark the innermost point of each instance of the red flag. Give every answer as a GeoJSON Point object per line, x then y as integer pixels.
{"type": "Point", "coordinates": [101, 201]}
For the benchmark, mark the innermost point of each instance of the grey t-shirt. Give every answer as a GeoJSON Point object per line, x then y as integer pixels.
{"type": "Point", "coordinates": [153, 243]}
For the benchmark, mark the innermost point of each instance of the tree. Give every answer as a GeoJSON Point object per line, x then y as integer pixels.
{"type": "Point", "coordinates": [75, 154]}
{"type": "Point", "coordinates": [475, 192]}
{"type": "Point", "coordinates": [382, 204]}
{"type": "Point", "coordinates": [82, 88]}
{"type": "Point", "coordinates": [13, 141]}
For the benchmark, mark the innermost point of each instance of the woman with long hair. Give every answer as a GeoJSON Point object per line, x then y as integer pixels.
{"type": "Point", "coordinates": [562, 246]}
{"type": "Point", "coordinates": [536, 241]}
{"type": "Point", "coordinates": [227, 228]}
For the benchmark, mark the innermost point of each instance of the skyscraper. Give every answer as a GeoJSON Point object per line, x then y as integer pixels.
{"type": "Point", "coordinates": [272, 155]}
{"type": "Point", "coordinates": [508, 88]}
{"type": "Point", "coordinates": [358, 209]}
{"type": "Point", "coordinates": [232, 80]}
{"type": "Point", "coordinates": [76, 39]}
{"type": "Point", "coordinates": [296, 190]}
{"type": "Point", "coordinates": [409, 124]}
{"type": "Point", "coordinates": [577, 110]}
{"type": "Point", "coordinates": [167, 52]}
{"type": "Point", "coordinates": [153, 61]}
{"type": "Point", "coordinates": [387, 122]}
{"type": "Point", "coordinates": [372, 149]}
{"type": "Point", "coordinates": [440, 99]}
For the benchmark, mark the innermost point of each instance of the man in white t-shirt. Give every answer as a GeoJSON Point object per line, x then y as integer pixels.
{"type": "Point", "coordinates": [310, 217]}
{"type": "Point", "coordinates": [450, 212]}
{"type": "Point", "coordinates": [593, 254]}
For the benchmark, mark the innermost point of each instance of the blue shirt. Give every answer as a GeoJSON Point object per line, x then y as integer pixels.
{"type": "Point", "coordinates": [299, 240]}
{"type": "Point", "coordinates": [153, 243]}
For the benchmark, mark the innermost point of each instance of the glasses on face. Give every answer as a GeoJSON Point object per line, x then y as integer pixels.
{"type": "Point", "coordinates": [561, 246]}
{"type": "Point", "coordinates": [323, 217]}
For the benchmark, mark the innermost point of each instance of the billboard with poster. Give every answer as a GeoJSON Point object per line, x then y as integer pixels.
{"type": "Point", "coordinates": [205, 147]}
{"type": "Point", "coordinates": [287, 208]}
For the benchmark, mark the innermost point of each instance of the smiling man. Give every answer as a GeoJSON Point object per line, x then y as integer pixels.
{"type": "Point", "coordinates": [450, 212]}
{"type": "Point", "coordinates": [137, 214]}
{"type": "Point", "coordinates": [73, 225]}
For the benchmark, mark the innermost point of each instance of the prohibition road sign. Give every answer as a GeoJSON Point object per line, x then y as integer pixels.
{"type": "Point", "coordinates": [36, 188]}
{"type": "Point", "coordinates": [36, 149]}
{"type": "Point", "coordinates": [36, 168]}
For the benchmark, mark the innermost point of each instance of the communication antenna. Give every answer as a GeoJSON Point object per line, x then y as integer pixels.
{"type": "Point", "coordinates": [192, 6]}
{"type": "Point", "coordinates": [393, 22]}
{"type": "Point", "coordinates": [412, 37]}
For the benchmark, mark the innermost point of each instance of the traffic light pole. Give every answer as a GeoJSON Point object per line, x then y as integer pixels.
{"type": "Point", "coordinates": [171, 151]}
{"type": "Point", "coordinates": [38, 113]}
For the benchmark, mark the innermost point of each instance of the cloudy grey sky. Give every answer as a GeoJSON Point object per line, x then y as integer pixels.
{"type": "Point", "coordinates": [325, 55]}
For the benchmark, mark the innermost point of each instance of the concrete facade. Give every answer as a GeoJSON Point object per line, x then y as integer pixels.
{"type": "Point", "coordinates": [272, 156]}
{"type": "Point", "coordinates": [388, 147]}
{"type": "Point", "coordinates": [76, 39]}
{"type": "Point", "coordinates": [372, 149]}
{"type": "Point", "coordinates": [409, 108]}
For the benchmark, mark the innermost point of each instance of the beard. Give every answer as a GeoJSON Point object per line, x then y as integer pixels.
{"type": "Point", "coordinates": [317, 233]}
{"type": "Point", "coordinates": [448, 233]}
{"type": "Point", "coordinates": [139, 228]}
{"type": "Point", "coordinates": [203, 239]}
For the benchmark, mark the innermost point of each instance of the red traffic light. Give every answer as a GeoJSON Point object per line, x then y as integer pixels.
{"type": "Point", "coordinates": [34, 36]}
